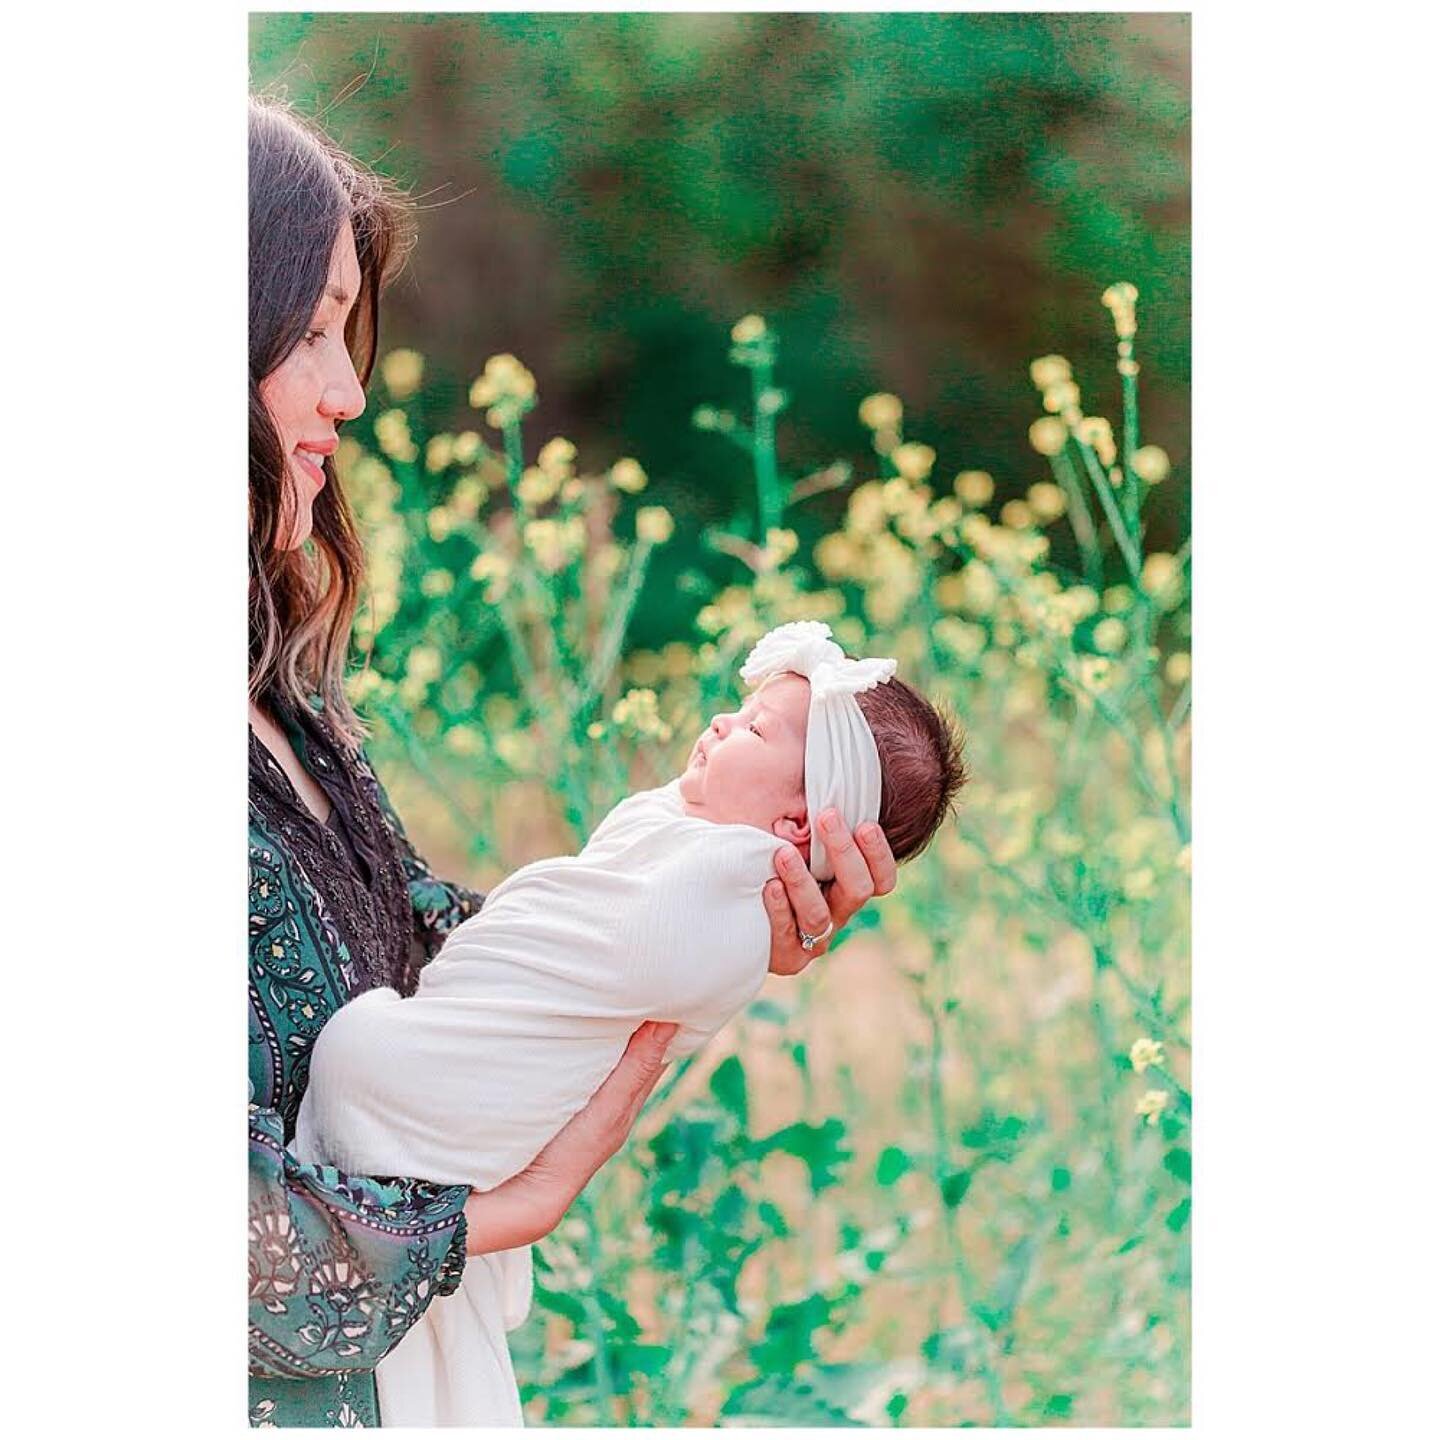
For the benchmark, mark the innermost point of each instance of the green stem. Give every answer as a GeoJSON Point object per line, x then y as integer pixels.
{"type": "Point", "coordinates": [767, 475]}
{"type": "Point", "coordinates": [1106, 491]}
{"type": "Point", "coordinates": [1077, 510]}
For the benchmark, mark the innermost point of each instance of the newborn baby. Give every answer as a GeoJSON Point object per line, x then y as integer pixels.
{"type": "Point", "coordinates": [530, 1002]}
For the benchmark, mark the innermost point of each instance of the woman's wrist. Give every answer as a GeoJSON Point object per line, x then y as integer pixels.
{"type": "Point", "coordinates": [519, 1212]}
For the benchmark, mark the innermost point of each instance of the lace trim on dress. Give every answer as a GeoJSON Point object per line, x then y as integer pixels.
{"type": "Point", "coordinates": [370, 906]}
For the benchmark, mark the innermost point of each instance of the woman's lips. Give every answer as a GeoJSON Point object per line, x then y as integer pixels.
{"type": "Point", "coordinates": [308, 464]}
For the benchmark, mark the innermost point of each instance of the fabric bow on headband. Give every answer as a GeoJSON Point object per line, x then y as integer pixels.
{"type": "Point", "coordinates": [842, 765]}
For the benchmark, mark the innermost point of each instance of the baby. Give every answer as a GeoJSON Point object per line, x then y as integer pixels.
{"type": "Point", "coordinates": [529, 1004]}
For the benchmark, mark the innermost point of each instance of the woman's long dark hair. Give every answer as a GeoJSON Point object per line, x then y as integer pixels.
{"type": "Point", "coordinates": [303, 188]}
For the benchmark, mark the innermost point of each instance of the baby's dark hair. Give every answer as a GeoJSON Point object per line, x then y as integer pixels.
{"type": "Point", "coordinates": [922, 765]}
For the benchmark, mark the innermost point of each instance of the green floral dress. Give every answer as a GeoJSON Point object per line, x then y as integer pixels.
{"type": "Point", "coordinates": [340, 1265]}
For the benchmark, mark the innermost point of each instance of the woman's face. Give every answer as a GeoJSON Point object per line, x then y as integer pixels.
{"type": "Point", "coordinates": [312, 390]}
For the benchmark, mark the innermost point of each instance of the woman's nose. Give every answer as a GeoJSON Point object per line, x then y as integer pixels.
{"type": "Point", "coordinates": [721, 725]}
{"type": "Point", "coordinates": [344, 397]}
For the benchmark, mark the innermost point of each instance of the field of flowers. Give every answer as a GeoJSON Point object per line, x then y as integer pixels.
{"type": "Point", "coordinates": [944, 1177]}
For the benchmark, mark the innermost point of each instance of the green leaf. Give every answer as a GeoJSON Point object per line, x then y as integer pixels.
{"type": "Point", "coordinates": [768, 1011]}
{"type": "Point", "coordinates": [727, 1085]}
{"type": "Point", "coordinates": [954, 1186]}
{"type": "Point", "coordinates": [1177, 1162]}
{"type": "Point", "coordinates": [821, 1147]}
{"type": "Point", "coordinates": [892, 1164]}
{"type": "Point", "coordinates": [774, 1400]}
{"type": "Point", "coordinates": [773, 1217]}
{"type": "Point", "coordinates": [559, 1303]}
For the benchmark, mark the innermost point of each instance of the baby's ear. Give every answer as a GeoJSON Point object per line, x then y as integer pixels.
{"type": "Point", "coordinates": [795, 828]}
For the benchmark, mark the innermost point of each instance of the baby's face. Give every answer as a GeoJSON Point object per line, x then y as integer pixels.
{"type": "Point", "coordinates": [748, 768]}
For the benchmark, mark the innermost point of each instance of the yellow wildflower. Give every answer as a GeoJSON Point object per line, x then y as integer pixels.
{"type": "Point", "coordinates": [537, 487]}
{"type": "Point", "coordinates": [1161, 579]}
{"type": "Point", "coordinates": [950, 591]}
{"type": "Point", "coordinates": [913, 461]}
{"type": "Point", "coordinates": [1048, 435]}
{"type": "Point", "coordinates": [1109, 635]}
{"type": "Point", "coordinates": [1151, 1104]}
{"type": "Point", "coordinates": [595, 729]}
{"type": "Point", "coordinates": [837, 556]}
{"type": "Point", "coordinates": [881, 411]}
{"type": "Point", "coordinates": [490, 565]}
{"type": "Point", "coordinates": [1152, 464]}
{"type": "Point", "coordinates": [1095, 672]}
{"type": "Point", "coordinates": [865, 513]}
{"type": "Point", "coordinates": [1049, 370]}
{"type": "Point", "coordinates": [1095, 431]}
{"type": "Point", "coordinates": [780, 545]}
{"type": "Point", "coordinates": [505, 391]}
{"type": "Point", "coordinates": [552, 544]}
{"type": "Point", "coordinates": [1016, 514]}
{"type": "Point", "coordinates": [626, 475]}
{"type": "Point", "coordinates": [1079, 602]}
{"type": "Point", "coordinates": [974, 487]}
{"type": "Point", "coordinates": [748, 330]}
{"type": "Point", "coordinates": [463, 740]}
{"type": "Point", "coordinates": [439, 452]}
{"type": "Point", "coordinates": [556, 456]}
{"type": "Point", "coordinates": [402, 370]}
{"type": "Point", "coordinates": [965, 640]}
{"type": "Point", "coordinates": [441, 523]}
{"type": "Point", "coordinates": [1046, 500]}
{"type": "Point", "coordinates": [469, 494]}
{"type": "Point", "coordinates": [1177, 667]}
{"type": "Point", "coordinates": [516, 749]}
{"type": "Point", "coordinates": [467, 447]}
{"type": "Point", "coordinates": [639, 712]}
{"type": "Point", "coordinates": [654, 523]}
{"type": "Point", "coordinates": [979, 588]}
{"type": "Point", "coordinates": [1118, 599]}
{"type": "Point", "coordinates": [392, 432]}
{"type": "Point", "coordinates": [423, 663]}
{"type": "Point", "coordinates": [435, 583]}
{"type": "Point", "coordinates": [1120, 300]}
{"type": "Point", "coordinates": [572, 489]}
{"type": "Point", "coordinates": [1145, 1053]}
{"type": "Point", "coordinates": [1061, 396]}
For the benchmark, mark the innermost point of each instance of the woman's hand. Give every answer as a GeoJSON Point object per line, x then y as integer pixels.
{"type": "Point", "coordinates": [530, 1205]}
{"type": "Point", "coordinates": [864, 868]}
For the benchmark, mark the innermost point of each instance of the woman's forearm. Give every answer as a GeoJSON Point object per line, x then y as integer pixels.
{"type": "Point", "coordinates": [531, 1204]}
{"type": "Point", "coordinates": [519, 1212]}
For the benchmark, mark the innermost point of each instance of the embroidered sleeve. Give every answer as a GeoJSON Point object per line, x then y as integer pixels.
{"type": "Point", "coordinates": [340, 1265]}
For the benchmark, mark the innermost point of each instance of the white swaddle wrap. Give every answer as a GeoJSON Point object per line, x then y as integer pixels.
{"type": "Point", "coordinates": [514, 1025]}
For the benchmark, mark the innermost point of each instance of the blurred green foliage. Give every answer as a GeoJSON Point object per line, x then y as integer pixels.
{"type": "Point", "coordinates": [920, 202]}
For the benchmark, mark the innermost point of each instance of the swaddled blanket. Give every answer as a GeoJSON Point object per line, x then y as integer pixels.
{"type": "Point", "coordinates": [515, 1023]}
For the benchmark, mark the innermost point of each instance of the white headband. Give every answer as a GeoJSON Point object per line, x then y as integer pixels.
{"type": "Point", "coordinates": [842, 765]}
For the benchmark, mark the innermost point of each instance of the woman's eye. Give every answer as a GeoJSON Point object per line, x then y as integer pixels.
{"type": "Point", "coordinates": [314, 337]}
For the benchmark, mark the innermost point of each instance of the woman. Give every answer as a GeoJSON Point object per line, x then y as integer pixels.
{"type": "Point", "coordinates": [341, 1265]}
